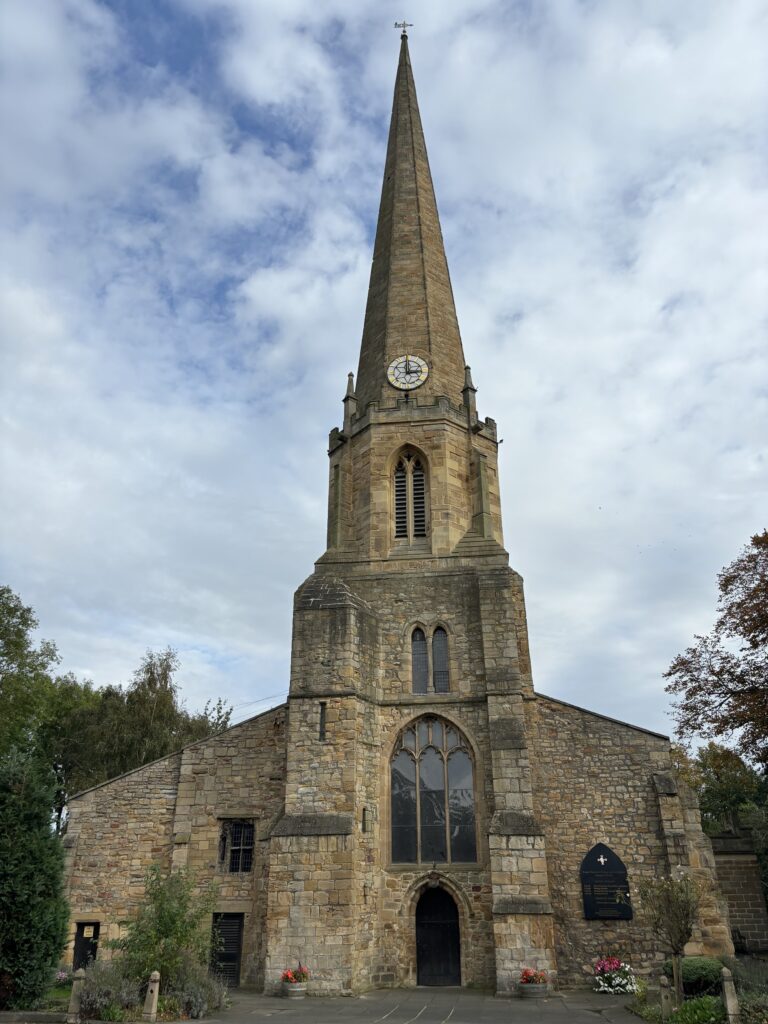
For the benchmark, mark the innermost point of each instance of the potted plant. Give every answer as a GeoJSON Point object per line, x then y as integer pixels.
{"type": "Point", "coordinates": [533, 984]}
{"type": "Point", "coordinates": [295, 982]}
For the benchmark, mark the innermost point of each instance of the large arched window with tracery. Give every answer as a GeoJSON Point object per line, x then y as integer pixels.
{"type": "Point", "coordinates": [410, 494]}
{"type": "Point", "coordinates": [432, 795]}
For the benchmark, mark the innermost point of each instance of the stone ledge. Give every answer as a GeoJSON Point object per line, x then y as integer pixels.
{"type": "Point", "coordinates": [521, 905]}
{"type": "Point", "coordinates": [314, 825]}
{"type": "Point", "coordinates": [514, 823]}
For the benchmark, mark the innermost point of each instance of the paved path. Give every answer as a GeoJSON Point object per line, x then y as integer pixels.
{"type": "Point", "coordinates": [429, 1006]}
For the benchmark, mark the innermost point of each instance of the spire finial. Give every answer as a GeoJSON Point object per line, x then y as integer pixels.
{"type": "Point", "coordinates": [404, 25]}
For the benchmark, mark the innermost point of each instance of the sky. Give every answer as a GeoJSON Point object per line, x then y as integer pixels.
{"type": "Point", "coordinates": [189, 193]}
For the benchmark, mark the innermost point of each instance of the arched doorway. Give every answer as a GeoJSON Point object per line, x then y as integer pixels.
{"type": "Point", "coordinates": [438, 950]}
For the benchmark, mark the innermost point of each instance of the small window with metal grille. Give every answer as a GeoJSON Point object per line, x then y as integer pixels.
{"type": "Point", "coordinates": [410, 498]}
{"type": "Point", "coordinates": [236, 846]}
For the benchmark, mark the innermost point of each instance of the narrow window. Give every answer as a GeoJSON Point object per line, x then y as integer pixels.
{"type": "Point", "coordinates": [321, 732]}
{"type": "Point", "coordinates": [364, 823]}
{"type": "Point", "coordinates": [401, 500]}
{"type": "Point", "coordinates": [440, 679]}
{"type": "Point", "coordinates": [419, 665]}
{"type": "Point", "coordinates": [419, 502]}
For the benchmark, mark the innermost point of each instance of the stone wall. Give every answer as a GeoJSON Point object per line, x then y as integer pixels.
{"type": "Point", "coordinates": [594, 782]}
{"type": "Point", "coordinates": [738, 872]}
{"type": "Point", "coordinates": [171, 813]}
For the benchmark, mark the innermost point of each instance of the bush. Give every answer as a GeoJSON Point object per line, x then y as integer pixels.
{"type": "Point", "coordinates": [702, 1010]}
{"type": "Point", "coordinates": [108, 991]}
{"type": "Point", "coordinates": [171, 932]}
{"type": "Point", "coordinates": [702, 975]}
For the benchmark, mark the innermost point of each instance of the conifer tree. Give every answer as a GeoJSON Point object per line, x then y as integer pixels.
{"type": "Point", "coordinates": [33, 912]}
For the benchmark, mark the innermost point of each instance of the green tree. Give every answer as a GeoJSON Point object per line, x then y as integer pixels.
{"type": "Point", "coordinates": [671, 904]}
{"type": "Point", "coordinates": [721, 682]}
{"type": "Point", "coordinates": [33, 912]}
{"type": "Point", "coordinates": [726, 785]}
{"type": "Point", "coordinates": [25, 681]}
{"type": "Point", "coordinates": [91, 735]}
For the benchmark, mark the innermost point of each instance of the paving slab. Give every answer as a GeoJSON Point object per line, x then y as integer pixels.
{"type": "Point", "coordinates": [428, 1006]}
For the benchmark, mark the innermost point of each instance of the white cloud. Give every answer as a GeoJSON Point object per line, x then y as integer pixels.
{"type": "Point", "coordinates": [190, 234]}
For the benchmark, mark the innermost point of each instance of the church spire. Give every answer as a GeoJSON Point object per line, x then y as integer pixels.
{"type": "Point", "coordinates": [410, 308]}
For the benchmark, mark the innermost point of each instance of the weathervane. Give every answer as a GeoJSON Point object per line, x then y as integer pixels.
{"type": "Point", "coordinates": [404, 25]}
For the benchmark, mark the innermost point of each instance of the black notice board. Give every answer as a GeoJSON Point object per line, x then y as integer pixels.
{"type": "Point", "coordinates": [604, 886]}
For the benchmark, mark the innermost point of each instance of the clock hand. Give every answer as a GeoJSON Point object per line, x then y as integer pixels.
{"type": "Point", "coordinates": [407, 365]}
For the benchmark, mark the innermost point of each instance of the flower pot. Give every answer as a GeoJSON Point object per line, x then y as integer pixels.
{"type": "Point", "coordinates": [533, 991]}
{"type": "Point", "coordinates": [294, 990]}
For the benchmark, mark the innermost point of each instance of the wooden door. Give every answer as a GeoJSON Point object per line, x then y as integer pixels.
{"type": "Point", "coordinates": [438, 946]}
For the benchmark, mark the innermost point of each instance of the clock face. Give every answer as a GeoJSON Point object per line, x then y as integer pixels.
{"type": "Point", "coordinates": [407, 372]}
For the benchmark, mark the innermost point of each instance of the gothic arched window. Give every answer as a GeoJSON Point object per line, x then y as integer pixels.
{"type": "Point", "coordinates": [410, 489]}
{"type": "Point", "coordinates": [429, 659]}
{"type": "Point", "coordinates": [432, 795]}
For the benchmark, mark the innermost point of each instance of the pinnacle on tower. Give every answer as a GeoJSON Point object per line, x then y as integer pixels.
{"type": "Point", "coordinates": [410, 309]}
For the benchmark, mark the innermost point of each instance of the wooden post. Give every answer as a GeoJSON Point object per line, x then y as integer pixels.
{"type": "Point", "coordinates": [666, 997]}
{"type": "Point", "coordinates": [730, 999]}
{"type": "Point", "coordinates": [73, 1010]}
{"type": "Point", "coordinates": [150, 1003]}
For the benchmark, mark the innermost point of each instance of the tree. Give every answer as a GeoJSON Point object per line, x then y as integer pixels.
{"type": "Point", "coordinates": [91, 735]}
{"type": "Point", "coordinates": [33, 912]}
{"type": "Point", "coordinates": [672, 903]}
{"type": "Point", "coordinates": [171, 932]}
{"type": "Point", "coordinates": [722, 680]}
{"type": "Point", "coordinates": [726, 784]}
{"type": "Point", "coordinates": [25, 681]}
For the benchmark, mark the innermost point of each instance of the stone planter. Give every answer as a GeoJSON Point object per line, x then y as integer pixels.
{"type": "Point", "coordinates": [295, 990]}
{"type": "Point", "coordinates": [533, 991]}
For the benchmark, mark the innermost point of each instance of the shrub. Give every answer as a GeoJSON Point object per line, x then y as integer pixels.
{"type": "Point", "coordinates": [702, 975]}
{"type": "Point", "coordinates": [171, 932]}
{"type": "Point", "coordinates": [197, 991]}
{"type": "Point", "coordinates": [108, 990]}
{"type": "Point", "coordinates": [701, 1010]}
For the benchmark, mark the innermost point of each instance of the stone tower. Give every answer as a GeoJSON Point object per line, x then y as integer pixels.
{"type": "Point", "coordinates": [412, 615]}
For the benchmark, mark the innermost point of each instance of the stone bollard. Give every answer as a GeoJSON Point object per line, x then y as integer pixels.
{"type": "Point", "coordinates": [150, 1003]}
{"type": "Point", "coordinates": [666, 997]}
{"type": "Point", "coordinates": [730, 999]}
{"type": "Point", "coordinates": [73, 1010]}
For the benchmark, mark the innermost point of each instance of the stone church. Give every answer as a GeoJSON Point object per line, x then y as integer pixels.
{"type": "Point", "coordinates": [415, 813]}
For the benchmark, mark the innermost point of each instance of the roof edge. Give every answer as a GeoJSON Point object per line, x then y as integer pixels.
{"type": "Point", "coordinates": [605, 718]}
{"type": "Point", "coordinates": [173, 753]}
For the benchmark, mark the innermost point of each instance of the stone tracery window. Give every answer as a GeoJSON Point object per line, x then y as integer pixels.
{"type": "Point", "coordinates": [410, 493]}
{"type": "Point", "coordinates": [432, 795]}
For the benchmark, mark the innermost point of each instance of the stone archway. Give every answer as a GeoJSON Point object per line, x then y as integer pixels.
{"type": "Point", "coordinates": [438, 940]}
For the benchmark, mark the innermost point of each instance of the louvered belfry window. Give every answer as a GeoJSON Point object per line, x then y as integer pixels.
{"type": "Point", "coordinates": [410, 498]}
